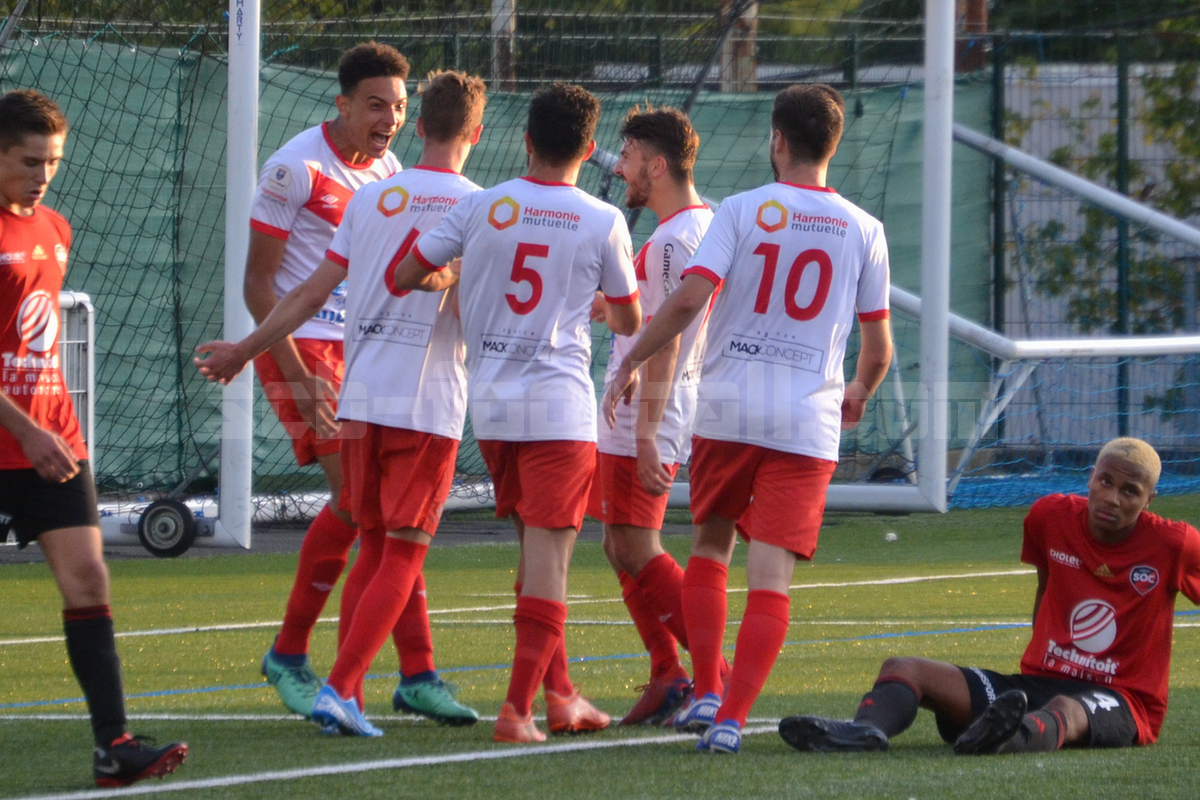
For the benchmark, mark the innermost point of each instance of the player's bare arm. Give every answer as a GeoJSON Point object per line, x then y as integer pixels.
{"type": "Point", "coordinates": [658, 375]}
{"type": "Point", "coordinates": [49, 453]}
{"type": "Point", "coordinates": [672, 318]}
{"type": "Point", "coordinates": [412, 273]}
{"type": "Point", "coordinates": [227, 359]}
{"type": "Point", "coordinates": [311, 393]}
{"type": "Point", "coordinates": [873, 361]}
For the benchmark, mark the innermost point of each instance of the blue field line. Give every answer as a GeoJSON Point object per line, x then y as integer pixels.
{"type": "Point", "coordinates": [575, 660]}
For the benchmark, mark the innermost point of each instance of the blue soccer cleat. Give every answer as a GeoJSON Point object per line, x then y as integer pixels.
{"type": "Point", "coordinates": [724, 737]}
{"type": "Point", "coordinates": [698, 715]}
{"type": "Point", "coordinates": [336, 715]}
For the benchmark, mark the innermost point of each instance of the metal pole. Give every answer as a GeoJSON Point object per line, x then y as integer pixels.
{"type": "Point", "coordinates": [241, 170]}
{"type": "Point", "coordinates": [1122, 230]}
{"type": "Point", "coordinates": [999, 192]}
{"type": "Point", "coordinates": [935, 248]}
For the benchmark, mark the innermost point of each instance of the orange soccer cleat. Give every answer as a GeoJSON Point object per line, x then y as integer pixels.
{"type": "Point", "coordinates": [512, 727]}
{"type": "Point", "coordinates": [573, 714]}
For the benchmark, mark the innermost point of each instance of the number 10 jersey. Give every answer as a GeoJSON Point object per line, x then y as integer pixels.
{"type": "Point", "coordinates": [793, 263]}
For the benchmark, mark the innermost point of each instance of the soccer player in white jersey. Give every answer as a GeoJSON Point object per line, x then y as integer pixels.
{"type": "Point", "coordinates": [301, 196]}
{"type": "Point", "coordinates": [795, 263]}
{"type": "Point", "coordinates": [639, 456]}
{"type": "Point", "coordinates": [533, 252]}
{"type": "Point", "coordinates": [403, 400]}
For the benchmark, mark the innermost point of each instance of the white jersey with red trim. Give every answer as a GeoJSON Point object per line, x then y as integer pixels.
{"type": "Point", "coordinates": [659, 268]}
{"type": "Point", "coordinates": [793, 263]}
{"type": "Point", "coordinates": [301, 197]}
{"type": "Point", "coordinates": [533, 255]}
{"type": "Point", "coordinates": [404, 350]}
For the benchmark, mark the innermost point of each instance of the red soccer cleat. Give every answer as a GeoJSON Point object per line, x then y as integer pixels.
{"type": "Point", "coordinates": [573, 714]}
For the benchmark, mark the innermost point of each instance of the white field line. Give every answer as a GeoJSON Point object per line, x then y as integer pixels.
{"type": "Point", "coordinates": [520, 751]}
{"type": "Point", "coordinates": [385, 719]}
{"type": "Point", "coordinates": [575, 601]}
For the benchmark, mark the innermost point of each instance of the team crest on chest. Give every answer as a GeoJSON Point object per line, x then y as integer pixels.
{"type": "Point", "coordinates": [1143, 578]}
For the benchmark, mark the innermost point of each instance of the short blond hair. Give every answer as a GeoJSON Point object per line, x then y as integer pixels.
{"type": "Point", "coordinates": [1136, 453]}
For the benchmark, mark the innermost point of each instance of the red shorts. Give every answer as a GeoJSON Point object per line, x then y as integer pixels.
{"type": "Point", "coordinates": [618, 497]}
{"type": "Point", "coordinates": [776, 498]}
{"type": "Point", "coordinates": [324, 359]}
{"type": "Point", "coordinates": [394, 478]}
{"type": "Point", "coordinates": [545, 483]}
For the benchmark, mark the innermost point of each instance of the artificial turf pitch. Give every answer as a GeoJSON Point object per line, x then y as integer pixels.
{"type": "Point", "coordinates": [191, 673]}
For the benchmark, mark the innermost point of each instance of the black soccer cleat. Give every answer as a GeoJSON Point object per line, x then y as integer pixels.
{"type": "Point", "coordinates": [131, 759]}
{"type": "Point", "coordinates": [998, 723]}
{"type": "Point", "coordinates": [823, 735]}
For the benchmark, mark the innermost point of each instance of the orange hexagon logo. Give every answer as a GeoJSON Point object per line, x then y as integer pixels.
{"type": "Point", "coordinates": [393, 201]}
{"type": "Point", "coordinates": [767, 211]}
{"type": "Point", "coordinates": [504, 213]}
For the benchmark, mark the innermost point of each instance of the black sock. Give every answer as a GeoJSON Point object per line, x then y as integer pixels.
{"type": "Point", "coordinates": [93, 655]}
{"type": "Point", "coordinates": [1040, 732]}
{"type": "Point", "coordinates": [891, 706]}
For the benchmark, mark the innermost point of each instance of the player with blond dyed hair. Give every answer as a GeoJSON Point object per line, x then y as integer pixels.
{"type": "Point", "coordinates": [1095, 671]}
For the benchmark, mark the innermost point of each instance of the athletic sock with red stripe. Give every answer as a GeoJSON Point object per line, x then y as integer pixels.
{"type": "Point", "coordinates": [704, 610]}
{"type": "Point", "coordinates": [1040, 732]}
{"type": "Point", "coordinates": [539, 626]}
{"type": "Point", "coordinates": [763, 631]}
{"type": "Point", "coordinates": [661, 583]}
{"type": "Point", "coordinates": [377, 613]}
{"type": "Point", "coordinates": [891, 705]}
{"type": "Point", "coordinates": [322, 559]}
{"type": "Point", "coordinates": [658, 641]}
{"type": "Point", "coordinates": [92, 651]}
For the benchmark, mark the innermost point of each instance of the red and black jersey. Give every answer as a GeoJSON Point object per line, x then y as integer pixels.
{"type": "Point", "coordinates": [1107, 612]}
{"type": "Point", "coordinates": [33, 261]}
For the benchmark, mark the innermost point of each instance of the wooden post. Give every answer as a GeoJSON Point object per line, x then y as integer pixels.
{"type": "Point", "coordinates": [739, 55]}
{"type": "Point", "coordinates": [504, 33]}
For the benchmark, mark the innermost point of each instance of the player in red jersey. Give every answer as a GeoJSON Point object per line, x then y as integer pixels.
{"type": "Point", "coordinates": [301, 196]}
{"type": "Point", "coordinates": [637, 459]}
{"type": "Point", "coordinates": [1095, 671]}
{"type": "Point", "coordinates": [404, 397]}
{"type": "Point", "coordinates": [46, 490]}
{"type": "Point", "coordinates": [796, 264]}
{"type": "Point", "coordinates": [533, 252]}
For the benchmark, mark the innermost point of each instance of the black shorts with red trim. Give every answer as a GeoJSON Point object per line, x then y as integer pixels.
{"type": "Point", "coordinates": [1110, 719]}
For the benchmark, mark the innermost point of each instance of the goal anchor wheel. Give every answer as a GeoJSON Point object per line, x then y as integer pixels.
{"type": "Point", "coordinates": [167, 528]}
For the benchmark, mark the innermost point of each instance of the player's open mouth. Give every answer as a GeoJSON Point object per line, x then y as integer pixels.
{"type": "Point", "coordinates": [381, 140]}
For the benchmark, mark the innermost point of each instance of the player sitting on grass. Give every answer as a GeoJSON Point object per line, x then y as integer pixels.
{"type": "Point", "coordinates": [639, 456]}
{"type": "Point", "coordinates": [404, 396]}
{"type": "Point", "coordinates": [533, 252]}
{"type": "Point", "coordinates": [795, 263]}
{"type": "Point", "coordinates": [46, 489]}
{"type": "Point", "coordinates": [301, 196]}
{"type": "Point", "coordinates": [1095, 671]}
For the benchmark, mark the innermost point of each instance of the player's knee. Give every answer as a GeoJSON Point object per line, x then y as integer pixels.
{"type": "Point", "coordinates": [86, 583]}
{"type": "Point", "coordinates": [905, 667]}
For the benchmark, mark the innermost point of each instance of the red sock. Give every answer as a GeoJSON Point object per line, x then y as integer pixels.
{"type": "Point", "coordinates": [661, 583]}
{"type": "Point", "coordinates": [322, 559]}
{"type": "Point", "coordinates": [764, 627]}
{"type": "Point", "coordinates": [539, 625]}
{"type": "Point", "coordinates": [704, 610]}
{"type": "Point", "coordinates": [558, 672]}
{"type": "Point", "coordinates": [378, 611]}
{"type": "Point", "coordinates": [414, 642]}
{"type": "Point", "coordinates": [658, 641]}
{"type": "Point", "coordinates": [370, 552]}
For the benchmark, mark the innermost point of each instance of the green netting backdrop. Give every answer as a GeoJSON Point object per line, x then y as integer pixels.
{"type": "Point", "coordinates": [143, 185]}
